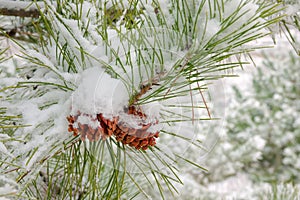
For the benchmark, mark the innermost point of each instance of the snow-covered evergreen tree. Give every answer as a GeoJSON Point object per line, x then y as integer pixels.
{"type": "Point", "coordinates": [257, 155]}
{"type": "Point", "coordinates": [266, 127]}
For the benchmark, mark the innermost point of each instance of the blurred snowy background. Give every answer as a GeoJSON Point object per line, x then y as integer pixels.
{"type": "Point", "coordinates": [258, 151]}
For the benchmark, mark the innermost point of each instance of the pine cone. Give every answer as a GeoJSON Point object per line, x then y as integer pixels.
{"type": "Point", "coordinates": [138, 138]}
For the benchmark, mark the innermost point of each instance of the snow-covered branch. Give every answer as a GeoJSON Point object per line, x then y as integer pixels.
{"type": "Point", "coordinates": [20, 8]}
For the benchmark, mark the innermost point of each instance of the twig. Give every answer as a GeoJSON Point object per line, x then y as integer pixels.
{"type": "Point", "coordinates": [22, 176]}
{"type": "Point", "coordinates": [182, 68]}
{"type": "Point", "coordinates": [20, 8]}
{"type": "Point", "coordinates": [192, 101]}
{"type": "Point", "coordinates": [144, 88]}
{"type": "Point", "coordinates": [20, 12]}
{"type": "Point", "coordinates": [204, 101]}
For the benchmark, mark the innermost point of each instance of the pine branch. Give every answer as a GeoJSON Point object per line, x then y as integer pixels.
{"type": "Point", "coordinates": [98, 52]}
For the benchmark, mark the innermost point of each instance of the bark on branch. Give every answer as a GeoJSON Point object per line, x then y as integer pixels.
{"type": "Point", "coordinates": [20, 8]}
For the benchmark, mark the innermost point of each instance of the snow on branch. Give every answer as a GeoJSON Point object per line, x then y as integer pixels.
{"type": "Point", "coordinates": [20, 9]}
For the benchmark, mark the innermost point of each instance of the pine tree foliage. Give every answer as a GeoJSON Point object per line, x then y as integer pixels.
{"type": "Point", "coordinates": [260, 147]}
{"type": "Point", "coordinates": [290, 24]}
{"type": "Point", "coordinates": [269, 117]}
{"type": "Point", "coordinates": [257, 153]}
{"type": "Point", "coordinates": [106, 57]}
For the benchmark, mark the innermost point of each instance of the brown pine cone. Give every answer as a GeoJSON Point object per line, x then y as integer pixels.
{"type": "Point", "coordinates": [138, 138]}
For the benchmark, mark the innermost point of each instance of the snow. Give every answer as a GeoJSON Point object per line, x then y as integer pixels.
{"type": "Point", "coordinates": [7, 190]}
{"type": "Point", "coordinates": [238, 186]}
{"type": "Point", "coordinates": [258, 142]}
{"type": "Point", "coordinates": [4, 150]}
{"type": "Point", "coordinates": [87, 120]}
{"type": "Point", "coordinates": [98, 92]}
{"type": "Point", "coordinates": [213, 26]}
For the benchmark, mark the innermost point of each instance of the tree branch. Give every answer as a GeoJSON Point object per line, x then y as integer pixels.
{"type": "Point", "coordinates": [20, 8]}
